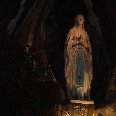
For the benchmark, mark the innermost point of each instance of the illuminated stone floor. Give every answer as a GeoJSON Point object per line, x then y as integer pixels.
{"type": "Point", "coordinates": [84, 110]}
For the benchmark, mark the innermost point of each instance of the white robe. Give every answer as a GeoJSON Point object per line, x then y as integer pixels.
{"type": "Point", "coordinates": [71, 49]}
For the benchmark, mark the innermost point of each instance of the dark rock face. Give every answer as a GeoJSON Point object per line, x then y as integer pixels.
{"type": "Point", "coordinates": [48, 21]}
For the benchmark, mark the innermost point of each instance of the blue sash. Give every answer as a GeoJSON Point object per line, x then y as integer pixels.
{"type": "Point", "coordinates": [79, 69]}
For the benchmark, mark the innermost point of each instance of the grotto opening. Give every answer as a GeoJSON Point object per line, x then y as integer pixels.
{"type": "Point", "coordinates": [32, 40]}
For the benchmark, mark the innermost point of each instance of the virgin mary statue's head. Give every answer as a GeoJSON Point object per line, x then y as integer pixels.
{"type": "Point", "coordinates": [79, 20]}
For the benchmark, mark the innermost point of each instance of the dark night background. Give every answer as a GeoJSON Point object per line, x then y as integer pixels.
{"type": "Point", "coordinates": [21, 91]}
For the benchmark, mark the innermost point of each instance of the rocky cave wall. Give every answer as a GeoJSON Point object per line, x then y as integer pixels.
{"type": "Point", "coordinates": [56, 17]}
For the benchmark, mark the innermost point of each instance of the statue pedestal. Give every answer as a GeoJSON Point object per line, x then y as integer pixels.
{"type": "Point", "coordinates": [82, 102]}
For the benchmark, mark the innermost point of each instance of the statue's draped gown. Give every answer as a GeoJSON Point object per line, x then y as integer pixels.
{"type": "Point", "coordinates": [78, 64]}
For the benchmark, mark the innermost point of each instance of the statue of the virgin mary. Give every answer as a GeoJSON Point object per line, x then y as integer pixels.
{"type": "Point", "coordinates": [78, 61]}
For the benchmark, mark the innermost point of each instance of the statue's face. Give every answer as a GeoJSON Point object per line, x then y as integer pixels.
{"type": "Point", "coordinates": [80, 19]}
